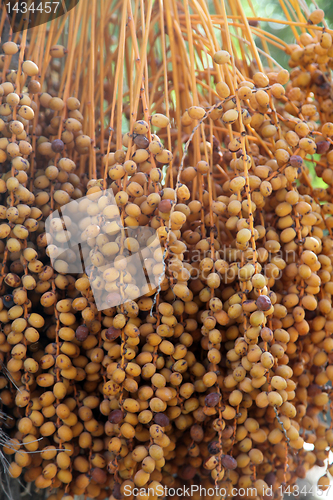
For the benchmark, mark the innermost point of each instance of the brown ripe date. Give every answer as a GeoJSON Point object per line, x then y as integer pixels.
{"type": "Point", "coordinates": [116, 416]}
{"type": "Point", "coordinates": [264, 303]}
{"type": "Point", "coordinates": [81, 333]}
{"type": "Point", "coordinates": [212, 399]}
{"type": "Point", "coordinates": [228, 462]}
{"type": "Point", "coordinates": [112, 333]}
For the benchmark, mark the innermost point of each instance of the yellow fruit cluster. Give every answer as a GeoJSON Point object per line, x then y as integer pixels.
{"type": "Point", "coordinates": [220, 372]}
